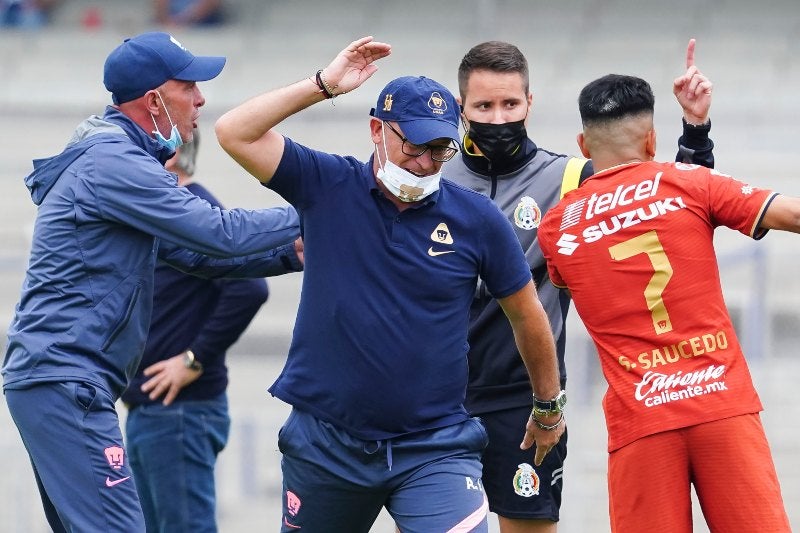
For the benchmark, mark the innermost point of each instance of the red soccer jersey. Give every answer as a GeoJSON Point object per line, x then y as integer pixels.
{"type": "Point", "coordinates": [634, 245]}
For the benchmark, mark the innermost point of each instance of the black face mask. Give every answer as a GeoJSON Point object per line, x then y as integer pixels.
{"type": "Point", "coordinates": [497, 141]}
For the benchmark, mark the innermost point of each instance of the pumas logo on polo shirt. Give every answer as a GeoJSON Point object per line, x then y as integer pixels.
{"type": "Point", "coordinates": [440, 235]}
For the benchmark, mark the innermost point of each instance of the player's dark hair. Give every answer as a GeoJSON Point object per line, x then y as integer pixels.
{"type": "Point", "coordinates": [613, 97]}
{"type": "Point", "coordinates": [495, 56]}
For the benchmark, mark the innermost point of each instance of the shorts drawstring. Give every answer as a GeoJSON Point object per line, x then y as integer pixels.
{"type": "Point", "coordinates": [378, 444]}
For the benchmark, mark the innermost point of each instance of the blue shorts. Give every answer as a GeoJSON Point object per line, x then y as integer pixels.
{"type": "Point", "coordinates": [72, 435]}
{"type": "Point", "coordinates": [515, 488]}
{"type": "Point", "coordinates": [428, 481]}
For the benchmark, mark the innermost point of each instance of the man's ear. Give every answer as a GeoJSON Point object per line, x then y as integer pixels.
{"type": "Point", "coordinates": [464, 121]}
{"type": "Point", "coordinates": [375, 127]}
{"type": "Point", "coordinates": [650, 143]}
{"type": "Point", "coordinates": [151, 102]}
{"type": "Point", "coordinates": [529, 101]}
{"type": "Point", "coordinates": [582, 145]}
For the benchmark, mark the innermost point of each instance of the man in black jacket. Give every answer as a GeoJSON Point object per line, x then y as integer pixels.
{"type": "Point", "coordinates": [500, 161]}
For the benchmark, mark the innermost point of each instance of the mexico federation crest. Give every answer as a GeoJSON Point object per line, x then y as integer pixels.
{"type": "Point", "coordinates": [527, 215]}
{"type": "Point", "coordinates": [526, 481]}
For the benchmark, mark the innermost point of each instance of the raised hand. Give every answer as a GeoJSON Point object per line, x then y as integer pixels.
{"type": "Point", "coordinates": [693, 90]}
{"type": "Point", "coordinates": [354, 65]}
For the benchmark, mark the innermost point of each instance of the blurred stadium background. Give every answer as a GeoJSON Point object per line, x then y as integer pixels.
{"type": "Point", "coordinates": [51, 78]}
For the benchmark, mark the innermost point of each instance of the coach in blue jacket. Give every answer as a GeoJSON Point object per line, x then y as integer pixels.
{"type": "Point", "coordinates": [107, 210]}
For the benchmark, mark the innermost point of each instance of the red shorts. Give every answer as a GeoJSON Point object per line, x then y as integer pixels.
{"type": "Point", "coordinates": [729, 463]}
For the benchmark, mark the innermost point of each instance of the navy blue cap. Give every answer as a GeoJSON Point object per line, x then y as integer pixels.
{"type": "Point", "coordinates": [425, 109]}
{"type": "Point", "coordinates": [147, 61]}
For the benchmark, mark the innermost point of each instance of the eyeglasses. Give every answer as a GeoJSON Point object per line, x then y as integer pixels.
{"type": "Point", "coordinates": [439, 152]}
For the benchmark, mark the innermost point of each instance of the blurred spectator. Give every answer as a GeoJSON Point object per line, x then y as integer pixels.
{"type": "Point", "coordinates": [178, 420]}
{"type": "Point", "coordinates": [189, 12]}
{"type": "Point", "coordinates": [26, 13]}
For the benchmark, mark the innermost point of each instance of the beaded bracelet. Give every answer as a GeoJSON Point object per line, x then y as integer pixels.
{"type": "Point", "coordinates": [545, 426]}
{"type": "Point", "coordinates": [324, 87]}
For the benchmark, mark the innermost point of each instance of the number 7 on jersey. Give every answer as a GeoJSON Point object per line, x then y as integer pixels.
{"type": "Point", "coordinates": [648, 243]}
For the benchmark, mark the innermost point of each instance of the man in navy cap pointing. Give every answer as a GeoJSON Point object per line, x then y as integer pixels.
{"type": "Point", "coordinates": [107, 210]}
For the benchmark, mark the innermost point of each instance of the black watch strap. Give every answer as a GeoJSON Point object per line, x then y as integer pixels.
{"type": "Point", "coordinates": [550, 407]}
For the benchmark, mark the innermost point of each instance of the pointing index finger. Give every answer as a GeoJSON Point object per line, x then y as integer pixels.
{"type": "Point", "coordinates": [690, 54]}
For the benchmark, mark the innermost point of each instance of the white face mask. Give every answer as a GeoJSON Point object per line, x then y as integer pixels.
{"type": "Point", "coordinates": [407, 187]}
{"type": "Point", "coordinates": [175, 139]}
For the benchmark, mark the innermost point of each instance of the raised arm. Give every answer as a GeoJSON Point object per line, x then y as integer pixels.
{"type": "Point", "coordinates": [693, 92]}
{"type": "Point", "coordinates": [246, 132]}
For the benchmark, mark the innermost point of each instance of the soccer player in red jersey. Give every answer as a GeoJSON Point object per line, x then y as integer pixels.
{"type": "Point", "coordinates": [634, 245]}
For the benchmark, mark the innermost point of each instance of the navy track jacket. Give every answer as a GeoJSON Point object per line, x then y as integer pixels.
{"type": "Point", "coordinates": [107, 210]}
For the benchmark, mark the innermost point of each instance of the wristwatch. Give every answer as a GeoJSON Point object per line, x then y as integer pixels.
{"type": "Point", "coordinates": [550, 407]}
{"type": "Point", "coordinates": [190, 362]}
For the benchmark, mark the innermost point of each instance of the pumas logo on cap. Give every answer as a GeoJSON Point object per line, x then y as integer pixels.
{"type": "Point", "coordinates": [437, 104]}
{"type": "Point", "coordinates": [176, 43]}
{"type": "Point", "coordinates": [387, 102]}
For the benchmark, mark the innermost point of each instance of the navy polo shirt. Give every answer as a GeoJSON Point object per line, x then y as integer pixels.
{"type": "Point", "coordinates": [380, 341]}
